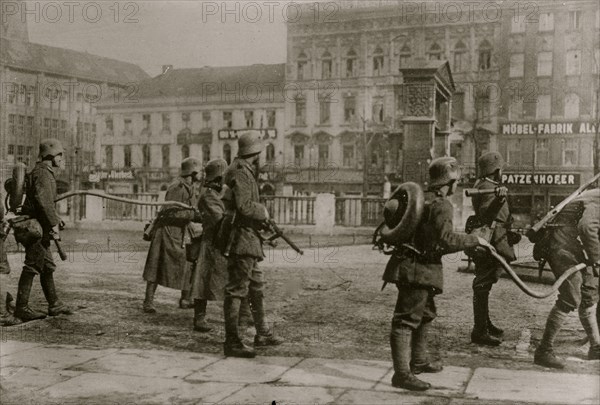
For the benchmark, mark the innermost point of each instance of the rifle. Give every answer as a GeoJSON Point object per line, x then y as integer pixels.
{"type": "Point", "coordinates": [532, 234]}
{"type": "Point", "coordinates": [232, 234]}
{"type": "Point", "coordinates": [278, 233]}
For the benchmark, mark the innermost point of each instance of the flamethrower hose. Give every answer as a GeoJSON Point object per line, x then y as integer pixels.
{"type": "Point", "coordinates": [523, 286]}
{"type": "Point", "coordinates": [124, 200]}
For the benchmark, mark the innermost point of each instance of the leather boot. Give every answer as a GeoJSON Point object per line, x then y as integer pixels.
{"type": "Point", "coordinates": [587, 316]}
{"type": "Point", "coordinates": [200, 324]}
{"type": "Point", "coordinates": [6, 313]}
{"type": "Point", "coordinates": [185, 301]}
{"type": "Point", "coordinates": [22, 310]}
{"type": "Point", "coordinates": [55, 306]}
{"type": "Point", "coordinates": [264, 335]}
{"type": "Point", "coordinates": [245, 315]}
{"type": "Point", "coordinates": [234, 347]}
{"type": "Point", "coordinates": [149, 299]}
{"type": "Point", "coordinates": [480, 334]}
{"type": "Point", "coordinates": [544, 354]}
{"type": "Point", "coordinates": [420, 362]}
{"type": "Point", "coordinates": [494, 330]}
{"type": "Point", "coordinates": [400, 342]}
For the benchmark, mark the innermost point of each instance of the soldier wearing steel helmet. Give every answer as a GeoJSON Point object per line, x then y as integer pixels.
{"type": "Point", "coordinates": [416, 269]}
{"type": "Point", "coordinates": [245, 278]}
{"type": "Point", "coordinates": [490, 210]}
{"type": "Point", "coordinates": [166, 263]}
{"type": "Point", "coordinates": [40, 189]}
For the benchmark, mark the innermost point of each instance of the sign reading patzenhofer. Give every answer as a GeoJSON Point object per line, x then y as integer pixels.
{"type": "Point", "coordinates": [556, 179]}
{"type": "Point", "coordinates": [549, 128]}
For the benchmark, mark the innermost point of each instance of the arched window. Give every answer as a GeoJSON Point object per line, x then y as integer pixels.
{"type": "Point", "coordinates": [461, 57]}
{"type": "Point", "coordinates": [378, 61]}
{"type": "Point", "coordinates": [146, 155]}
{"type": "Point", "coordinates": [302, 66]}
{"type": "Point", "coordinates": [270, 153]}
{"type": "Point", "coordinates": [326, 65]}
{"type": "Point", "coordinates": [405, 55]}
{"type": "Point", "coordinates": [166, 158]}
{"type": "Point", "coordinates": [205, 153]}
{"type": "Point", "coordinates": [227, 153]}
{"type": "Point", "coordinates": [435, 52]}
{"type": "Point", "coordinates": [351, 64]}
{"type": "Point", "coordinates": [485, 55]}
{"type": "Point", "coordinates": [108, 157]}
{"type": "Point", "coordinates": [127, 156]}
{"type": "Point", "coordinates": [572, 106]}
{"type": "Point", "coordinates": [185, 151]}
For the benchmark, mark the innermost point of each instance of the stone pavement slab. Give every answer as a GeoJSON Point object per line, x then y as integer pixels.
{"type": "Point", "coordinates": [105, 388]}
{"type": "Point", "coordinates": [360, 374]}
{"type": "Point", "coordinates": [24, 379]}
{"type": "Point", "coordinates": [53, 356]}
{"type": "Point", "coordinates": [13, 346]}
{"type": "Point", "coordinates": [451, 381]}
{"type": "Point", "coordinates": [266, 394]}
{"type": "Point", "coordinates": [363, 397]}
{"type": "Point", "coordinates": [534, 386]}
{"type": "Point", "coordinates": [250, 371]}
{"type": "Point", "coordinates": [149, 363]}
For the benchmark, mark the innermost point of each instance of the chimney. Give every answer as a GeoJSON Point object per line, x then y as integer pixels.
{"type": "Point", "coordinates": [166, 68]}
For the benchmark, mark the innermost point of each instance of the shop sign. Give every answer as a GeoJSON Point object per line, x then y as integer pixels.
{"type": "Point", "coordinates": [111, 175]}
{"type": "Point", "coordinates": [549, 128]}
{"type": "Point", "coordinates": [547, 179]}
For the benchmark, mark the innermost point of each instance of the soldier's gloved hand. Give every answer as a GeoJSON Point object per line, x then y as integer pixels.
{"type": "Point", "coordinates": [55, 232]}
{"type": "Point", "coordinates": [501, 192]}
{"type": "Point", "coordinates": [197, 216]}
{"type": "Point", "coordinates": [61, 225]}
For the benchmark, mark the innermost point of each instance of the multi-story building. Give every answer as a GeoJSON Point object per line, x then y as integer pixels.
{"type": "Point", "coordinates": [189, 112]}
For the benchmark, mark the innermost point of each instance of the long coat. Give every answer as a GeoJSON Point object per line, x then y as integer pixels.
{"type": "Point", "coordinates": [166, 263]}
{"type": "Point", "coordinates": [209, 275]}
{"type": "Point", "coordinates": [434, 237]}
{"type": "Point", "coordinates": [4, 266]}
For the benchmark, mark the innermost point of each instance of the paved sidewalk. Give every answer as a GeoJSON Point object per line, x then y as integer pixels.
{"type": "Point", "coordinates": [54, 374]}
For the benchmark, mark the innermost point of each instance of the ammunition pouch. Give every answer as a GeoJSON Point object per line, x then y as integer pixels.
{"type": "Point", "coordinates": [26, 230]}
{"type": "Point", "coordinates": [513, 238]}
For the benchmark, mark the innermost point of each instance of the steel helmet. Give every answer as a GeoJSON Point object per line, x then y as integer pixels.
{"type": "Point", "coordinates": [214, 169]}
{"type": "Point", "coordinates": [51, 148]}
{"type": "Point", "coordinates": [443, 170]}
{"type": "Point", "coordinates": [490, 162]}
{"type": "Point", "coordinates": [250, 143]}
{"type": "Point", "coordinates": [189, 166]}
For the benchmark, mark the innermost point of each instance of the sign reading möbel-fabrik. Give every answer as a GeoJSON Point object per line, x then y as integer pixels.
{"type": "Point", "coordinates": [549, 128]}
{"type": "Point", "coordinates": [556, 179]}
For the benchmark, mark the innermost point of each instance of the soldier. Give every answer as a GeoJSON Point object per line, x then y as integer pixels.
{"type": "Point", "coordinates": [417, 272]}
{"type": "Point", "coordinates": [491, 210]}
{"type": "Point", "coordinates": [575, 233]}
{"type": "Point", "coordinates": [40, 189]}
{"type": "Point", "coordinates": [6, 318]}
{"type": "Point", "coordinates": [166, 263]}
{"type": "Point", "coordinates": [245, 279]}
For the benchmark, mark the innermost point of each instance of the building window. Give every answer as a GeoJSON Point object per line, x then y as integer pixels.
{"type": "Point", "coordinates": [546, 22]}
{"type": "Point", "coordinates": [166, 122]}
{"type": "Point", "coordinates": [324, 111]}
{"type": "Point", "coordinates": [326, 66]}
{"type": "Point", "coordinates": [146, 118]}
{"type": "Point", "coordinates": [574, 63]}
{"type": "Point", "coordinates": [270, 153]}
{"type": "Point", "coordinates": [205, 153]}
{"type": "Point", "coordinates": [249, 117]}
{"type": "Point", "coordinates": [227, 153]}
{"type": "Point", "coordinates": [542, 152]}
{"type": "Point", "coordinates": [127, 156]}
{"type": "Point", "coordinates": [351, 64]}
{"type": "Point", "coordinates": [166, 157]}
{"type": "Point", "coordinates": [271, 118]}
{"type": "Point", "coordinates": [228, 119]}
{"type": "Point", "coordinates": [378, 61]}
{"type": "Point", "coordinates": [348, 156]}
{"type": "Point", "coordinates": [323, 154]}
{"type": "Point", "coordinates": [349, 109]}
{"type": "Point", "coordinates": [185, 151]}
{"type": "Point", "coordinates": [108, 122]}
{"type": "Point", "coordinates": [299, 155]}
{"type": "Point", "coordinates": [108, 157]}
{"type": "Point", "coordinates": [405, 56]}
{"type": "Point", "coordinates": [482, 105]}
{"type": "Point", "coordinates": [513, 153]}
{"type": "Point", "coordinates": [146, 155]}
{"type": "Point", "coordinates": [544, 107]}
{"type": "Point", "coordinates": [45, 128]}
{"type": "Point", "coordinates": [569, 152]}
{"type": "Point", "coordinates": [435, 52]}
{"type": "Point", "coordinates": [21, 126]}
{"type": "Point", "coordinates": [127, 126]}
{"type": "Point", "coordinates": [300, 112]}
{"type": "Point", "coordinates": [21, 156]}
{"type": "Point", "coordinates": [485, 55]}
{"type": "Point", "coordinates": [461, 57]}
{"type": "Point", "coordinates": [378, 111]}
{"type": "Point", "coordinates": [572, 106]}
{"type": "Point", "coordinates": [30, 96]}
{"type": "Point", "coordinates": [518, 23]}
{"type": "Point", "coordinates": [55, 128]}
{"type": "Point", "coordinates": [12, 124]}
{"type": "Point", "coordinates": [575, 19]}
{"type": "Point", "coordinates": [29, 126]}
{"type": "Point", "coordinates": [302, 66]}
{"type": "Point", "coordinates": [517, 64]}
{"type": "Point", "coordinates": [544, 66]}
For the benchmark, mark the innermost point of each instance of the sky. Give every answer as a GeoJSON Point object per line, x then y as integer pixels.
{"type": "Point", "coordinates": [152, 33]}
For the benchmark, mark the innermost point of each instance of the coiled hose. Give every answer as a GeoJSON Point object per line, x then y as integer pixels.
{"type": "Point", "coordinates": [124, 200]}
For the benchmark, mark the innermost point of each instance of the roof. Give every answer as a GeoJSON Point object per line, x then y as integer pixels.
{"type": "Point", "coordinates": [67, 62]}
{"type": "Point", "coordinates": [212, 80]}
